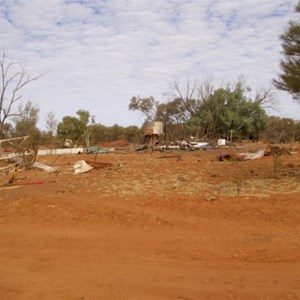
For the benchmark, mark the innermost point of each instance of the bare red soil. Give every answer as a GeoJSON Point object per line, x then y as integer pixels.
{"type": "Point", "coordinates": [155, 226]}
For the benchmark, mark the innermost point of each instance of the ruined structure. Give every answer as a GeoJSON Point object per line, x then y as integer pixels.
{"type": "Point", "coordinates": [152, 132]}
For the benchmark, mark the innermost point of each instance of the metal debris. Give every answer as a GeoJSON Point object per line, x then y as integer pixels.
{"type": "Point", "coordinates": [46, 168]}
{"type": "Point", "coordinates": [82, 167]}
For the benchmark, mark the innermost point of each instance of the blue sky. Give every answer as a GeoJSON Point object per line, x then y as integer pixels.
{"type": "Point", "coordinates": [97, 54]}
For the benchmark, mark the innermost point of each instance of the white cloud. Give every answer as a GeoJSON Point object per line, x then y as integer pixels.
{"type": "Point", "coordinates": [98, 54]}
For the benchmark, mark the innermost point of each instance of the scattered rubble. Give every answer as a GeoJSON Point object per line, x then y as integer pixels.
{"type": "Point", "coordinates": [280, 150]}
{"type": "Point", "coordinates": [270, 150]}
{"type": "Point", "coordinates": [46, 168]}
{"type": "Point", "coordinates": [99, 150]}
{"type": "Point", "coordinates": [60, 151]}
{"type": "Point", "coordinates": [242, 156]}
{"type": "Point", "coordinates": [101, 165]}
{"type": "Point", "coordinates": [13, 152]}
{"type": "Point", "coordinates": [82, 167]}
{"type": "Point", "coordinates": [180, 145]}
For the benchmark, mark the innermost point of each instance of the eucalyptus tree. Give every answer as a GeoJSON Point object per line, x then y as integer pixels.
{"type": "Point", "coordinates": [76, 128]}
{"type": "Point", "coordinates": [26, 122]}
{"type": "Point", "coordinates": [289, 79]}
{"type": "Point", "coordinates": [228, 111]}
{"type": "Point", "coordinates": [70, 128]}
{"type": "Point", "coordinates": [86, 121]}
{"type": "Point", "coordinates": [147, 106]}
{"type": "Point", "coordinates": [191, 93]}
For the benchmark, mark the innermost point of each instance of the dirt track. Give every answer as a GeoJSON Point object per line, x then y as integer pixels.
{"type": "Point", "coordinates": [153, 226]}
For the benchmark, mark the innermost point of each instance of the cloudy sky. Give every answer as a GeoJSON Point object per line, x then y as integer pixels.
{"type": "Point", "coordinates": [97, 54]}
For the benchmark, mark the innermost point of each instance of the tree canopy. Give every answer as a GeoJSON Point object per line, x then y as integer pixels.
{"type": "Point", "coordinates": [229, 110]}
{"type": "Point", "coordinates": [289, 79]}
{"type": "Point", "coordinates": [147, 106]}
{"type": "Point", "coordinates": [26, 122]}
{"type": "Point", "coordinates": [215, 113]}
{"type": "Point", "coordinates": [70, 128]}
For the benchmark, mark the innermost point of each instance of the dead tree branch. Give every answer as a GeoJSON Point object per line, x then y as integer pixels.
{"type": "Point", "coordinates": [13, 79]}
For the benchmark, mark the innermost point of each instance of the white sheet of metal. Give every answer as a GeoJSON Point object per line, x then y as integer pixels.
{"type": "Point", "coordinates": [60, 151]}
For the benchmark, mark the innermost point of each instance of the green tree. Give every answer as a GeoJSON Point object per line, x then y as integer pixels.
{"type": "Point", "coordinates": [76, 127]}
{"type": "Point", "coordinates": [101, 134]}
{"type": "Point", "coordinates": [115, 132]}
{"type": "Point", "coordinates": [191, 93]}
{"type": "Point", "coordinates": [282, 130]}
{"type": "Point", "coordinates": [133, 134]}
{"type": "Point", "coordinates": [98, 134]}
{"type": "Point", "coordinates": [26, 122]}
{"type": "Point", "coordinates": [7, 130]}
{"type": "Point", "coordinates": [228, 111]}
{"type": "Point", "coordinates": [70, 128]}
{"type": "Point", "coordinates": [289, 80]}
{"type": "Point", "coordinates": [147, 106]}
{"type": "Point", "coordinates": [173, 114]}
{"type": "Point", "coordinates": [84, 118]}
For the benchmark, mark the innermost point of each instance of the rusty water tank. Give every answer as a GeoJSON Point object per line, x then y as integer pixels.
{"type": "Point", "coordinates": [153, 128]}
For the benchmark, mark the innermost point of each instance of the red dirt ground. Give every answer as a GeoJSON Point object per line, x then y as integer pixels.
{"type": "Point", "coordinates": [153, 226]}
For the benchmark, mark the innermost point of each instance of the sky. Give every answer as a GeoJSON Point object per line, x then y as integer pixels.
{"type": "Point", "coordinates": [97, 54]}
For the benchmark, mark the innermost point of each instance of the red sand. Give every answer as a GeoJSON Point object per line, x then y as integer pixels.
{"type": "Point", "coordinates": [153, 226]}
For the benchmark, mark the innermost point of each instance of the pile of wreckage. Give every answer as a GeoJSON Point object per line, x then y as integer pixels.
{"type": "Point", "coordinates": [176, 146]}
{"type": "Point", "coordinates": [232, 154]}
{"type": "Point", "coordinates": [271, 150]}
{"type": "Point", "coordinates": [17, 155]}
